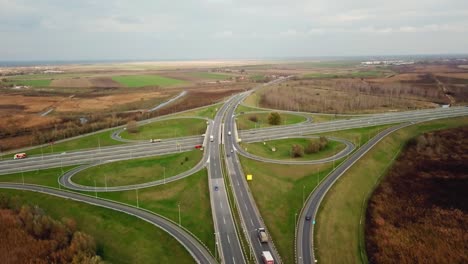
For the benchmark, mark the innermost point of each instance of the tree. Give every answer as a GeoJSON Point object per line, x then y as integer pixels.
{"type": "Point", "coordinates": [132, 126]}
{"type": "Point", "coordinates": [312, 147]}
{"type": "Point", "coordinates": [274, 118]}
{"type": "Point", "coordinates": [297, 151]}
{"type": "Point", "coordinates": [253, 118]}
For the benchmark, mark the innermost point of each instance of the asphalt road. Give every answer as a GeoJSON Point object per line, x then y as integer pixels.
{"type": "Point", "coordinates": [305, 229]}
{"type": "Point", "coordinates": [227, 240]}
{"type": "Point", "coordinates": [193, 246]}
{"type": "Point", "coordinates": [249, 213]}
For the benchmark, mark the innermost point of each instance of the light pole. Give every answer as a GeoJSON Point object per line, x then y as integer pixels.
{"type": "Point", "coordinates": [164, 169]}
{"type": "Point", "coordinates": [178, 205]}
{"type": "Point", "coordinates": [105, 180]}
{"type": "Point", "coordinates": [303, 190]}
{"type": "Point", "coordinates": [138, 203]}
{"type": "Point", "coordinates": [95, 188]}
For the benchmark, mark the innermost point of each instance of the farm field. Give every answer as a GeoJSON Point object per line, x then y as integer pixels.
{"type": "Point", "coordinates": [210, 75]}
{"type": "Point", "coordinates": [120, 238]}
{"type": "Point", "coordinates": [142, 170]}
{"type": "Point", "coordinates": [170, 128]}
{"type": "Point", "coordinates": [146, 80]}
{"type": "Point", "coordinates": [339, 229]}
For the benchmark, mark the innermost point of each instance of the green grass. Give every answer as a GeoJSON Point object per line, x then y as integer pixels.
{"type": "Point", "coordinates": [246, 109]}
{"type": "Point", "coordinates": [92, 141]}
{"type": "Point", "coordinates": [171, 128]}
{"type": "Point", "coordinates": [339, 231]}
{"type": "Point", "coordinates": [243, 121]}
{"type": "Point", "coordinates": [278, 191]}
{"type": "Point", "coordinates": [209, 75]}
{"type": "Point", "coordinates": [32, 83]}
{"type": "Point", "coordinates": [47, 177]}
{"type": "Point", "coordinates": [283, 149]}
{"type": "Point", "coordinates": [208, 112]}
{"type": "Point", "coordinates": [120, 238]}
{"type": "Point", "coordinates": [146, 80]}
{"type": "Point", "coordinates": [358, 136]}
{"type": "Point", "coordinates": [191, 193]}
{"type": "Point", "coordinates": [136, 171]}
{"type": "Point", "coordinates": [257, 77]}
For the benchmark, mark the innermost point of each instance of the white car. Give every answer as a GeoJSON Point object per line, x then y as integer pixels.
{"type": "Point", "coordinates": [229, 133]}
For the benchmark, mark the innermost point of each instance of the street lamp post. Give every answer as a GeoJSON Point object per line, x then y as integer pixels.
{"type": "Point", "coordinates": [164, 169]}
{"type": "Point", "coordinates": [95, 188]}
{"type": "Point", "coordinates": [303, 197]}
{"type": "Point", "coordinates": [138, 203]}
{"type": "Point", "coordinates": [178, 205]}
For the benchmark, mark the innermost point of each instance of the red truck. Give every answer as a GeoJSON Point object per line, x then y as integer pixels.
{"type": "Point", "coordinates": [20, 156]}
{"type": "Point", "coordinates": [198, 146]}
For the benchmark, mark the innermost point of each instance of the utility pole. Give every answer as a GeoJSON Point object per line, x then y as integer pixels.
{"type": "Point", "coordinates": [164, 168]}
{"type": "Point", "coordinates": [138, 203]}
{"type": "Point", "coordinates": [178, 205]}
{"type": "Point", "coordinates": [105, 180]}
{"type": "Point", "coordinates": [95, 188]}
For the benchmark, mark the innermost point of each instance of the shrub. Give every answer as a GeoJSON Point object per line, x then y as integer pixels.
{"type": "Point", "coordinates": [297, 151]}
{"type": "Point", "coordinates": [274, 118]}
{"type": "Point", "coordinates": [253, 118]}
{"type": "Point", "coordinates": [132, 127]}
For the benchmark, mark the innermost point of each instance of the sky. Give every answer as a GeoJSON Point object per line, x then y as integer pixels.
{"type": "Point", "coordinates": [229, 29]}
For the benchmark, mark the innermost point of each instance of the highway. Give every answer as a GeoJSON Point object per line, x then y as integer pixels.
{"type": "Point", "coordinates": [249, 213]}
{"type": "Point", "coordinates": [227, 240]}
{"type": "Point", "coordinates": [193, 246]}
{"type": "Point", "coordinates": [305, 235]}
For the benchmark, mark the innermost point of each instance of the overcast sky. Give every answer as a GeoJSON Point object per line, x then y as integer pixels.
{"type": "Point", "coordinates": [209, 29]}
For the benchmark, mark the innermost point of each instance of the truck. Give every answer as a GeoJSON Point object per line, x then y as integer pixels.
{"type": "Point", "coordinates": [198, 146]}
{"type": "Point", "coordinates": [20, 156]}
{"type": "Point", "coordinates": [267, 258]}
{"type": "Point", "coordinates": [155, 140]}
{"type": "Point", "coordinates": [211, 138]}
{"type": "Point", "coordinates": [262, 235]}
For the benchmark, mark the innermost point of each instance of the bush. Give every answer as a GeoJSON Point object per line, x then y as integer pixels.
{"type": "Point", "coordinates": [132, 127]}
{"type": "Point", "coordinates": [274, 118]}
{"type": "Point", "coordinates": [253, 118]}
{"type": "Point", "coordinates": [297, 151]}
{"type": "Point", "coordinates": [315, 146]}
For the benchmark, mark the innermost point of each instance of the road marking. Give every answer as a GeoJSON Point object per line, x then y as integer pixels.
{"type": "Point", "coordinates": [229, 241]}
{"type": "Point", "coordinates": [224, 220]}
{"type": "Point", "coordinates": [221, 204]}
{"type": "Point", "coordinates": [245, 205]}
{"type": "Point", "coordinates": [233, 261]}
{"type": "Point", "coordinates": [251, 221]}
{"type": "Point", "coordinates": [242, 194]}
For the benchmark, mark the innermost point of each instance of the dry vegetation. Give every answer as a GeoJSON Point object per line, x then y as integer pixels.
{"type": "Point", "coordinates": [27, 235]}
{"type": "Point", "coordinates": [419, 213]}
{"type": "Point", "coordinates": [421, 86]}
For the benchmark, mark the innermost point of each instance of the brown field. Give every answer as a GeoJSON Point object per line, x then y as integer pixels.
{"type": "Point", "coordinates": [419, 212]}
{"type": "Point", "coordinates": [104, 82]}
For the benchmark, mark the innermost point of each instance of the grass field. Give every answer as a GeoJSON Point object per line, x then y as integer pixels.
{"type": "Point", "coordinates": [278, 191]}
{"type": "Point", "coordinates": [339, 233]}
{"type": "Point", "coordinates": [246, 109]}
{"type": "Point", "coordinates": [120, 238]}
{"type": "Point", "coordinates": [208, 112]}
{"type": "Point", "coordinates": [47, 177]}
{"type": "Point", "coordinates": [209, 75]}
{"type": "Point", "coordinates": [33, 83]}
{"type": "Point", "coordinates": [358, 136]}
{"type": "Point", "coordinates": [146, 80]}
{"type": "Point", "coordinates": [283, 149]}
{"type": "Point", "coordinates": [243, 121]}
{"type": "Point", "coordinates": [356, 74]}
{"type": "Point", "coordinates": [171, 128]}
{"type": "Point", "coordinates": [191, 194]}
{"type": "Point", "coordinates": [136, 171]}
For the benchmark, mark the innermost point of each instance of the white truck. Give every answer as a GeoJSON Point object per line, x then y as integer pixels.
{"type": "Point", "coordinates": [262, 235]}
{"type": "Point", "coordinates": [267, 258]}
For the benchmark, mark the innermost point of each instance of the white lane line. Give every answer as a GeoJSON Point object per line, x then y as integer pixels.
{"type": "Point", "coordinates": [229, 241]}
{"type": "Point", "coordinates": [221, 204]}
{"type": "Point", "coordinates": [245, 207]}
{"type": "Point", "coordinates": [224, 220]}
{"type": "Point", "coordinates": [233, 261]}
{"type": "Point", "coordinates": [242, 194]}
{"type": "Point", "coordinates": [238, 183]}
{"type": "Point", "coordinates": [251, 221]}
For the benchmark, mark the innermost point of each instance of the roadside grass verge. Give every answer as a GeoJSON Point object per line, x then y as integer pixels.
{"type": "Point", "coordinates": [241, 109]}
{"type": "Point", "coordinates": [133, 81]}
{"type": "Point", "coordinates": [283, 149]}
{"type": "Point", "coordinates": [279, 191]}
{"type": "Point", "coordinates": [102, 139]}
{"type": "Point", "coordinates": [209, 75]}
{"type": "Point", "coordinates": [191, 194]}
{"type": "Point", "coordinates": [244, 122]}
{"type": "Point", "coordinates": [339, 233]}
{"type": "Point", "coordinates": [208, 112]}
{"type": "Point", "coordinates": [170, 128]}
{"type": "Point", "coordinates": [47, 177]}
{"type": "Point", "coordinates": [136, 171]}
{"type": "Point", "coordinates": [120, 238]}
{"type": "Point", "coordinates": [358, 136]}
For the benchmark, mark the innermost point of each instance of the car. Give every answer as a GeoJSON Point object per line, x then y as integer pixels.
{"type": "Point", "coordinates": [308, 217]}
{"type": "Point", "coordinates": [232, 151]}
{"type": "Point", "coordinates": [229, 133]}
{"type": "Point", "coordinates": [216, 188]}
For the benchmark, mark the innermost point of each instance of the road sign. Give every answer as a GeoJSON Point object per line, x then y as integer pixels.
{"type": "Point", "coordinates": [249, 177]}
{"type": "Point", "coordinates": [313, 222]}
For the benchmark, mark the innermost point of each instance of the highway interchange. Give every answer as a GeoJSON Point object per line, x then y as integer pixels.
{"type": "Point", "coordinates": [222, 152]}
